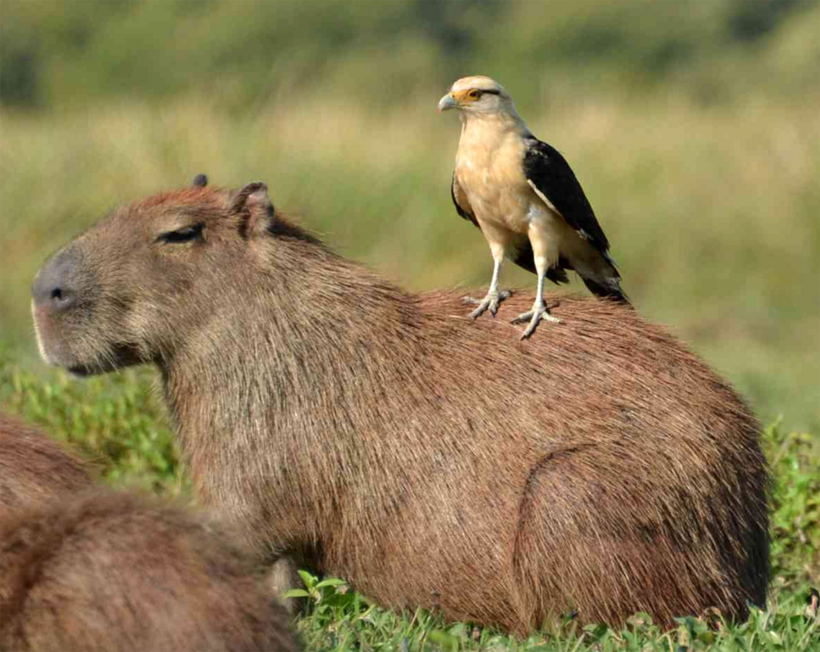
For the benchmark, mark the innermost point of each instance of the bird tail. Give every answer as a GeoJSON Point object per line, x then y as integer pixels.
{"type": "Point", "coordinates": [610, 289]}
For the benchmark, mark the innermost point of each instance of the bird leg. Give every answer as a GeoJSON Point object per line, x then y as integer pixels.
{"type": "Point", "coordinates": [494, 296]}
{"type": "Point", "coordinates": [539, 309]}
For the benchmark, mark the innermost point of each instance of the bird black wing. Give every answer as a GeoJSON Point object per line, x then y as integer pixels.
{"type": "Point", "coordinates": [552, 178]}
{"type": "Point", "coordinates": [555, 183]}
{"type": "Point", "coordinates": [522, 256]}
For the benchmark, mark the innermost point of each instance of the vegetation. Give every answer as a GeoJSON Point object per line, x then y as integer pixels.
{"type": "Point", "coordinates": [257, 51]}
{"type": "Point", "coordinates": [692, 125]}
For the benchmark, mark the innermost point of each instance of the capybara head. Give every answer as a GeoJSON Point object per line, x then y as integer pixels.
{"type": "Point", "coordinates": [33, 468]}
{"type": "Point", "coordinates": [106, 571]}
{"type": "Point", "coordinates": [127, 289]}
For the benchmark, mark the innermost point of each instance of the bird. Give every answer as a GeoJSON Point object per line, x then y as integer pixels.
{"type": "Point", "coordinates": [526, 200]}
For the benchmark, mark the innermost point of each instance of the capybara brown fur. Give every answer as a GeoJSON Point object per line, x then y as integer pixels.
{"type": "Point", "coordinates": [33, 468]}
{"type": "Point", "coordinates": [384, 437]}
{"type": "Point", "coordinates": [115, 572]}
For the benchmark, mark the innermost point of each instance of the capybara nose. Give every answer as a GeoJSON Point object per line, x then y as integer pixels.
{"type": "Point", "coordinates": [53, 286]}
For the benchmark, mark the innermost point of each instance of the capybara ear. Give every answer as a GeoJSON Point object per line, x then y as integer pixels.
{"type": "Point", "coordinates": [200, 181]}
{"type": "Point", "coordinates": [254, 204]}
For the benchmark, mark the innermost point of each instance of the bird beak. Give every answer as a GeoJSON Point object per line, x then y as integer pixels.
{"type": "Point", "coordinates": [447, 102]}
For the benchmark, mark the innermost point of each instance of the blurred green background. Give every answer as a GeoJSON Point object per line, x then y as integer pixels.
{"type": "Point", "coordinates": [693, 125]}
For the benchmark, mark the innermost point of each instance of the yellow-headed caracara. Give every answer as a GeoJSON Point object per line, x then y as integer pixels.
{"type": "Point", "coordinates": [526, 200]}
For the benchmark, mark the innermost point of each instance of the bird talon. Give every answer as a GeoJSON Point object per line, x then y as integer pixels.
{"type": "Point", "coordinates": [475, 314]}
{"type": "Point", "coordinates": [534, 316]}
{"type": "Point", "coordinates": [489, 302]}
{"type": "Point", "coordinates": [529, 330]}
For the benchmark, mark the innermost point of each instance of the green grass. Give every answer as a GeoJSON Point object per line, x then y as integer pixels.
{"type": "Point", "coordinates": [354, 625]}
{"type": "Point", "coordinates": [118, 422]}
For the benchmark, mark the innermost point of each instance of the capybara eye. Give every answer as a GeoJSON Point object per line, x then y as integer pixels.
{"type": "Point", "coordinates": [184, 234]}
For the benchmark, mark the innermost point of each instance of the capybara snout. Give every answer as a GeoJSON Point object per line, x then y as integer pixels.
{"type": "Point", "coordinates": [55, 287]}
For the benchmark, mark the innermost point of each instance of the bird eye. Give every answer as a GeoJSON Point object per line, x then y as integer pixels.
{"type": "Point", "coordinates": [185, 234]}
{"type": "Point", "coordinates": [474, 94]}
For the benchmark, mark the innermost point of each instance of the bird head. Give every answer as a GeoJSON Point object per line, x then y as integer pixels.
{"type": "Point", "coordinates": [477, 95]}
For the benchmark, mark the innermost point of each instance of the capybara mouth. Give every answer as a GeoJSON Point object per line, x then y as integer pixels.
{"type": "Point", "coordinates": [120, 356]}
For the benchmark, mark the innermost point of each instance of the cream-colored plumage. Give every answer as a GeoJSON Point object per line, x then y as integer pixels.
{"type": "Point", "coordinates": [494, 188]}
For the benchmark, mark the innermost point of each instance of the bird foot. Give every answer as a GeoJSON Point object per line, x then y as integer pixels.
{"type": "Point", "coordinates": [539, 311]}
{"type": "Point", "coordinates": [490, 302]}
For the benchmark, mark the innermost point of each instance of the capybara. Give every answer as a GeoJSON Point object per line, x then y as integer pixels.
{"type": "Point", "coordinates": [114, 572]}
{"type": "Point", "coordinates": [384, 437]}
{"type": "Point", "coordinates": [33, 468]}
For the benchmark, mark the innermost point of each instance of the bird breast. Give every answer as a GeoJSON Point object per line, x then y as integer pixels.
{"type": "Point", "coordinates": [491, 173]}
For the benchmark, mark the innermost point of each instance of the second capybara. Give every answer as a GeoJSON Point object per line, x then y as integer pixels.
{"type": "Point", "coordinates": [33, 468]}
{"type": "Point", "coordinates": [382, 436]}
{"type": "Point", "coordinates": [102, 571]}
